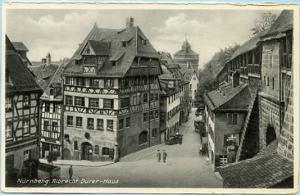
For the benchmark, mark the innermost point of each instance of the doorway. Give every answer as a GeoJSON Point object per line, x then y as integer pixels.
{"type": "Point", "coordinates": [86, 151]}
{"type": "Point", "coordinates": [270, 134]}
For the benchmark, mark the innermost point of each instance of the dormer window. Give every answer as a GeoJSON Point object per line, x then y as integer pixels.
{"type": "Point", "coordinates": [89, 69]}
{"type": "Point", "coordinates": [124, 44]}
{"type": "Point", "coordinates": [171, 84]}
{"type": "Point", "coordinates": [144, 42]}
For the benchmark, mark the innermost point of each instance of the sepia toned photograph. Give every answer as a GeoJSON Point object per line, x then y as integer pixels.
{"type": "Point", "coordinates": [140, 97]}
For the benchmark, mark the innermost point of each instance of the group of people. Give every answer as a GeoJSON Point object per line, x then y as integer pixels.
{"type": "Point", "coordinates": [164, 156]}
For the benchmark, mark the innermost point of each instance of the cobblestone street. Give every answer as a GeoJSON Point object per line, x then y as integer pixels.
{"type": "Point", "coordinates": [184, 167]}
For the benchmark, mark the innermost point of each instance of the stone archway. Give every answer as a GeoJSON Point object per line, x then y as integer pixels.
{"type": "Point", "coordinates": [270, 134]}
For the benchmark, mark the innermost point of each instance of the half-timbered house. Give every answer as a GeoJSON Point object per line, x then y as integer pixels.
{"type": "Point", "coordinates": [111, 95]}
{"type": "Point", "coordinates": [169, 105]}
{"type": "Point", "coordinates": [51, 119]}
{"type": "Point", "coordinates": [21, 113]}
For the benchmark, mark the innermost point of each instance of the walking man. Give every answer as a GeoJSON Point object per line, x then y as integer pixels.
{"type": "Point", "coordinates": [165, 156]}
{"type": "Point", "coordinates": [158, 155]}
{"type": "Point", "coordinates": [71, 172]}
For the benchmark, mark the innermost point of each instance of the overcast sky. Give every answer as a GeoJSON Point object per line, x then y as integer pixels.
{"type": "Point", "coordinates": [60, 31]}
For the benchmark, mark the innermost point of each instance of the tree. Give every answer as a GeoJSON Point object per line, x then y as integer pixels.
{"type": "Point", "coordinates": [263, 23]}
{"type": "Point", "coordinates": [211, 69]}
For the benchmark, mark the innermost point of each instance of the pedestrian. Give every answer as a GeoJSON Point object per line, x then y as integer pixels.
{"type": "Point", "coordinates": [71, 172]}
{"type": "Point", "coordinates": [158, 155]}
{"type": "Point", "coordinates": [165, 156]}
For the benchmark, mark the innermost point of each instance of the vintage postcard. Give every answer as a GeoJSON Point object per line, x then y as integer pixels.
{"type": "Point", "coordinates": [150, 98]}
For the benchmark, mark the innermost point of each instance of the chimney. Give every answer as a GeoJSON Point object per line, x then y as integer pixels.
{"type": "Point", "coordinates": [48, 59]}
{"type": "Point", "coordinates": [235, 79]}
{"type": "Point", "coordinates": [129, 22]}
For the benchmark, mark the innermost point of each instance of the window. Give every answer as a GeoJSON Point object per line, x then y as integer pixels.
{"type": "Point", "coordinates": [144, 42]}
{"type": "Point", "coordinates": [69, 120]}
{"type": "Point", "coordinates": [143, 137]}
{"type": "Point", "coordinates": [145, 97]}
{"type": "Point", "coordinates": [108, 83]}
{"type": "Point", "coordinates": [69, 100]}
{"type": "Point", "coordinates": [105, 151]}
{"type": "Point", "coordinates": [80, 81]}
{"type": "Point", "coordinates": [110, 125]}
{"type": "Point", "coordinates": [75, 145]}
{"type": "Point", "coordinates": [123, 43]}
{"type": "Point", "coordinates": [121, 123]}
{"type": "Point", "coordinates": [156, 113]}
{"type": "Point", "coordinates": [108, 103]}
{"type": "Point", "coordinates": [267, 81]}
{"type": "Point", "coordinates": [94, 102]}
{"type": "Point", "coordinates": [96, 149]}
{"type": "Point", "coordinates": [8, 130]}
{"type": "Point", "coordinates": [26, 100]}
{"type": "Point", "coordinates": [151, 96]}
{"type": "Point", "coordinates": [154, 132]}
{"type": "Point", "coordinates": [78, 121]}
{"type": "Point", "coordinates": [125, 102]}
{"type": "Point", "coordinates": [79, 101]}
{"type": "Point", "coordinates": [47, 107]}
{"type": "Point", "coordinates": [232, 118]}
{"type": "Point", "coordinates": [223, 160]}
{"type": "Point", "coordinates": [26, 154]}
{"type": "Point", "coordinates": [145, 116]}
{"type": "Point", "coordinates": [55, 126]}
{"type": "Point", "coordinates": [51, 91]}
{"type": "Point", "coordinates": [55, 108]}
{"type": "Point", "coordinates": [8, 104]}
{"type": "Point", "coordinates": [94, 82]}
{"type": "Point", "coordinates": [90, 123]}
{"type": "Point", "coordinates": [128, 122]}
{"type": "Point", "coordinates": [273, 83]}
{"type": "Point", "coordinates": [151, 114]}
{"type": "Point", "coordinates": [69, 80]}
{"type": "Point", "coordinates": [26, 126]}
{"type": "Point", "coordinates": [46, 126]}
{"type": "Point", "coordinates": [100, 124]}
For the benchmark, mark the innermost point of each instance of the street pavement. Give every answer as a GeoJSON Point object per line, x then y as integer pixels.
{"type": "Point", "coordinates": [184, 167]}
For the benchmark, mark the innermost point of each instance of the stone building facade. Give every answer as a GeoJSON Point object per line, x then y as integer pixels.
{"type": "Point", "coordinates": [273, 162]}
{"type": "Point", "coordinates": [111, 95]}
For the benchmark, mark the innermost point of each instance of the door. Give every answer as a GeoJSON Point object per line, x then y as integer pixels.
{"type": "Point", "coordinates": [86, 151]}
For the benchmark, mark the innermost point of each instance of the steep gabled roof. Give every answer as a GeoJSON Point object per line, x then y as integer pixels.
{"type": "Point", "coordinates": [248, 45]}
{"type": "Point", "coordinates": [227, 97]}
{"type": "Point", "coordinates": [56, 81]}
{"type": "Point", "coordinates": [20, 46]}
{"type": "Point", "coordinates": [18, 76]}
{"type": "Point", "coordinates": [136, 44]}
{"type": "Point", "coordinates": [43, 73]}
{"type": "Point", "coordinates": [283, 23]}
{"type": "Point", "coordinates": [264, 170]}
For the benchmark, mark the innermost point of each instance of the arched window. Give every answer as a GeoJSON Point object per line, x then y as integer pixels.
{"type": "Point", "coordinates": [143, 137]}
{"type": "Point", "coordinates": [270, 135]}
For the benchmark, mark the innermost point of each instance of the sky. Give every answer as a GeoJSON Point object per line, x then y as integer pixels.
{"type": "Point", "coordinates": [61, 31]}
